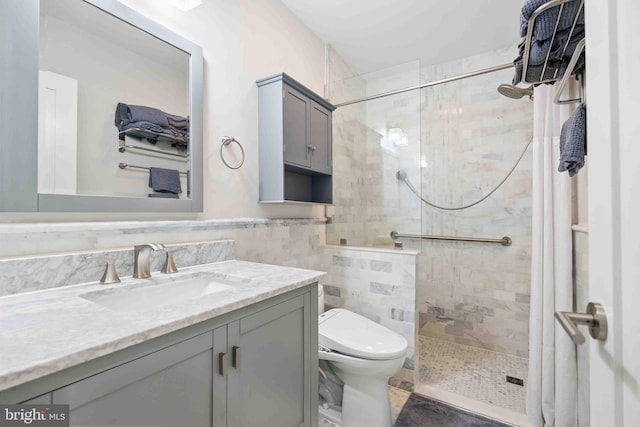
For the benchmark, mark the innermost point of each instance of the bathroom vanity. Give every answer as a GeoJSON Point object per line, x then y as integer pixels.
{"type": "Point", "coordinates": [234, 344]}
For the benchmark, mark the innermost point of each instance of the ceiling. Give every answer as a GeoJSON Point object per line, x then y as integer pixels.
{"type": "Point", "coordinates": [375, 34]}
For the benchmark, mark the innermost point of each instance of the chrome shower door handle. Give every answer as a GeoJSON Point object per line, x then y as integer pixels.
{"type": "Point", "coordinates": [595, 318]}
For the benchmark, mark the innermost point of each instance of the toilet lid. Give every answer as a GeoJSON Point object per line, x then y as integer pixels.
{"type": "Point", "coordinates": [352, 334]}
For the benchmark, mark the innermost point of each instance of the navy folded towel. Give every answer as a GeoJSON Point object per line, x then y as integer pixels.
{"type": "Point", "coordinates": [546, 22]}
{"type": "Point", "coordinates": [539, 49]}
{"type": "Point", "coordinates": [573, 141]}
{"type": "Point", "coordinates": [165, 180]}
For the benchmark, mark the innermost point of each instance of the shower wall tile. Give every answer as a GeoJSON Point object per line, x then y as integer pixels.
{"type": "Point", "coordinates": [386, 297]}
{"type": "Point", "coordinates": [473, 293]}
{"type": "Point", "coordinates": [463, 137]}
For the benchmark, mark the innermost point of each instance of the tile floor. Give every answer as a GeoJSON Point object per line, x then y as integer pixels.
{"type": "Point", "coordinates": [398, 398]}
{"type": "Point", "coordinates": [472, 372]}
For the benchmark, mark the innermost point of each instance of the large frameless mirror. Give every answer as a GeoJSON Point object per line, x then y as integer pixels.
{"type": "Point", "coordinates": [117, 111]}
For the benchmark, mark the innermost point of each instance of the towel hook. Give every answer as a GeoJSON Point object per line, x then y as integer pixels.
{"type": "Point", "coordinates": [226, 140]}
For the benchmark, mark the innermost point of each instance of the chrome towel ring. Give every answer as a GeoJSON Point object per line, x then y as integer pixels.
{"type": "Point", "coordinates": [226, 140]}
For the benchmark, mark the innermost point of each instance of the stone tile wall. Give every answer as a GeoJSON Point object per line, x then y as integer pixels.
{"type": "Point", "coordinates": [62, 249]}
{"type": "Point", "coordinates": [463, 138]}
{"type": "Point", "coordinates": [380, 285]}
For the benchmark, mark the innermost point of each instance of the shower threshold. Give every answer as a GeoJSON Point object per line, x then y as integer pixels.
{"type": "Point", "coordinates": [473, 379]}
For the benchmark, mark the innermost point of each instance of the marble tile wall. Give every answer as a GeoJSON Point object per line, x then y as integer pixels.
{"type": "Point", "coordinates": [380, 285]}
{"type": "Point", "coordinates": [292, 243]}
{"type": "Point", "coordinates": [471, 293]}
{"type": "Point", "coordinates": [34, 273]}
{"type": "Point", "coordinates": [463, 137]}
{"type": "Point", "coordinates": [373, 204]}
{"type": "Point", "coordinates": [349, 157]}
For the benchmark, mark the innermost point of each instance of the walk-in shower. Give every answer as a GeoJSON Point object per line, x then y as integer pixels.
{"type": "Point", "coordinates": [437, 151]}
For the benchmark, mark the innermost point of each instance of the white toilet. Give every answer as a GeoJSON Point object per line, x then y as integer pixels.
{"type": "Point", "coordinates": [363, 355]}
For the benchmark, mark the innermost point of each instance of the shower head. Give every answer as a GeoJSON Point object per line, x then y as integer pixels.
{"type": "Point", "coordinates": [514, 92]}
{"type": "Point", "coordinates": [401, 175]}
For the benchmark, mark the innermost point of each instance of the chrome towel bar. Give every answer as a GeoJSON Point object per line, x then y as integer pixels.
{"type": "Point", "coordinates": [128, 166]}
{"type": "Point", "coordinates": [505, 241]}
{"type": "Point", "coordinates": [122, 147]}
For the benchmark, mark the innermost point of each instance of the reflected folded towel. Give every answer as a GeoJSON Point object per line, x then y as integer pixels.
{"type": "Point", "coordinates": [178, 121]}
{"type": "Point", "coordinates": [140, 113]}
{"type": "Point", "coordinates": [573, 141]}
{"type": "Point", "coordinates": [165, 180]}
{"type": "Point", "coordinates": [546, 22]}
{"type": "Point", "coordinates": [127, 114]}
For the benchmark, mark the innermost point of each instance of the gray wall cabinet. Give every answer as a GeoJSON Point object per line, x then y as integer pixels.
{"type": "Point", "coordinates": [253, 367]}
{"type": "Point", "coordinates": [295, 143]}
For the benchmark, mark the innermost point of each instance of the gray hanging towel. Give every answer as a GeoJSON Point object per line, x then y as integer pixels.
{"type": "Point", "coordinates": [573, 141]}
{"type": "Point", "coordinates": [165, 180]}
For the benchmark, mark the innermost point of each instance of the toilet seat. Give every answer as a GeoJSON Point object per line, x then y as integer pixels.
{"type": "Point", "coordinates": [354, 335]}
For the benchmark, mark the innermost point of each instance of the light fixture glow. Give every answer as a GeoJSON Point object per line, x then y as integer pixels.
{"type": "Point", "coordinates": [185, 5]}
{"type": "Point", "coordinates": [397, 137]}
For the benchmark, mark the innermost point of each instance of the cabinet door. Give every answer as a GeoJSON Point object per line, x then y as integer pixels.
{"type": "Point", "coordinates": [295, 127]}
{"type": "Point", "coordinates": [267, 381]}
{"type": "Point", "coordinates": [320, 138]}
{"type": "Point", "coordinates": [220, 367]}
{"type": "Point", "coordinates": [170, 387]}
{"type": "Point", "coordinates": [45, 399]}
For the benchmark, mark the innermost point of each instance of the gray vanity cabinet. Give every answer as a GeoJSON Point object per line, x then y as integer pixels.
{"type": "Point", "coordinates": [295, 143]}
{"type": "Point", "coordinates": [267, 381]}
{"type": "Point", "coordinates": [254, 367]}
{"type": "Point", "coordinates": [45, 399]}
{"type": "Point", "coordinates": [170, 387]}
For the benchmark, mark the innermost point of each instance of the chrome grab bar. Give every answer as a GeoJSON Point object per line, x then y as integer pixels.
{"type": "Point", "coordinates": [505, 241]}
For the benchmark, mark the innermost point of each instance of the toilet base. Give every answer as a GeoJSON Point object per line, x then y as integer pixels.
{"type": "Point", "coordinates": [366, 403]}
{"type": "Point", "coordinates": [329, 417]}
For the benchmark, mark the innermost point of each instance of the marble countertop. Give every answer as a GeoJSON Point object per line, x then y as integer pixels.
{"type": "Point", "coordinates": [47, 331]}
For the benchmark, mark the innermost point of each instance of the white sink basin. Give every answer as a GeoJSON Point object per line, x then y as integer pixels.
{"type": "Point", "coordinates": [147, 296]}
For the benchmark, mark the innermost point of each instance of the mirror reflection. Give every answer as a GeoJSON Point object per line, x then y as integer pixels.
{"type": "Point", "coordinates": [113, 107]}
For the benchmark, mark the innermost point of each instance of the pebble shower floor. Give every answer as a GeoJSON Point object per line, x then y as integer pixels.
{"type": "Point", "coordinates": [473, 372]}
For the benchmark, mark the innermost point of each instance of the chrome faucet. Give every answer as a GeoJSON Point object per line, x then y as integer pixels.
{"type": "Point", "coordinates": [141, 253]}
